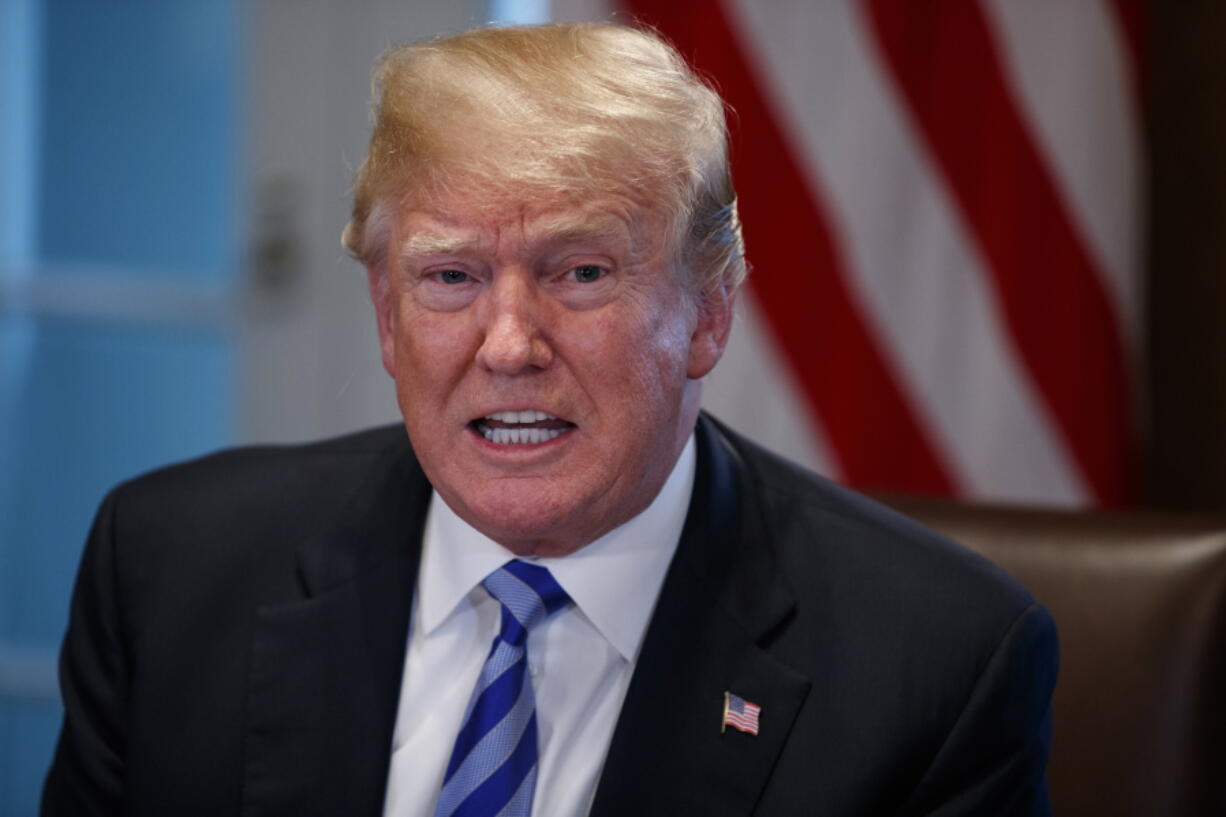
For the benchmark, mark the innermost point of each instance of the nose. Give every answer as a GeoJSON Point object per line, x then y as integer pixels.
{"type": "Point", "coordinates": [515, 340]}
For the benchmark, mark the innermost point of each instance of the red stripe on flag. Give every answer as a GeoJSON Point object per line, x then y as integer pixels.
{"type": "Point", "coordinates": [875, 435]}
{"type": "Point", "coordinates": [1048, 290]}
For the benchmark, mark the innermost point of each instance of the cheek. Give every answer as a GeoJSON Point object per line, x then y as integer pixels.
{"type": "Point", "coordinates": [664, 347]}
{"type": "Point", "coordinates": [431, 351]}
{"type": "Point", "coordinates": [642, 361]}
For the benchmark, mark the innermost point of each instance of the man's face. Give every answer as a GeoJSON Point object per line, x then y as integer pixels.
{"type": "Point", "coordinates": [546, 362]}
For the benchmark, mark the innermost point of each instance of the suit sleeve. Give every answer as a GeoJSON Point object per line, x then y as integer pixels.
{"type": "Point", "coordinates": [86, 775]}
{"type": "Point", "coordinates": [992, 761]}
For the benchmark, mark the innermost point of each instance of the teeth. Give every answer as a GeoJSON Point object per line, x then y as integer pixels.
{"type": "Point", "coordinates": [521, 436]}
{"type": "Point", "coordinates": [526, 416]}
{"type": "Point", "coordinates": [509, 434]}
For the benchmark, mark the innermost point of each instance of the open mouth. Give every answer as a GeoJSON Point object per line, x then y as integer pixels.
{"type": "Point", "coordinates": [526, 427]}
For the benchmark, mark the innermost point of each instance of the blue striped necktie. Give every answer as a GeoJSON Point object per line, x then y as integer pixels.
{"type": "Point", "coordinates": [493, 765]}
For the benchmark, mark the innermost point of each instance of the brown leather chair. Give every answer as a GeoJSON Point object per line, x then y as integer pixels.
{"type": "Point", "coordinates": [1140, 603]}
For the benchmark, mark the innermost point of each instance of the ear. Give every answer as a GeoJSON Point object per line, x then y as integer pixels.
{"type": "Point", "coordinates": [376, 280]}
{"type": "Point", "coordinates": [711, 332]}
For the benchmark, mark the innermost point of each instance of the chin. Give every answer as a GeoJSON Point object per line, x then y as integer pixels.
{"type": "Point", "coordinates": [528, 526]}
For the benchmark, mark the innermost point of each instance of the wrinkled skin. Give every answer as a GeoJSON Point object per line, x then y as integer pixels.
{"type": "Point", "coordinates": [576, 311]}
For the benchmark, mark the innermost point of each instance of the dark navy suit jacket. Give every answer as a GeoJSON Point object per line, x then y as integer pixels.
{"type": "Point", "coordinates": [238, 630]}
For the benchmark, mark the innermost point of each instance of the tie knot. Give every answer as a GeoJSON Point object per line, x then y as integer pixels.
{"type": "Point", "coordinates": [528, 594]}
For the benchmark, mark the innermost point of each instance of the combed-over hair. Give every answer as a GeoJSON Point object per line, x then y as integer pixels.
{"type": "Point", "coordinates": [571, 110]}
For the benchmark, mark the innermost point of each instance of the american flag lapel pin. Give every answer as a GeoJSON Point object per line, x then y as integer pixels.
{"type": "Point", "coordinates": [740, 714]}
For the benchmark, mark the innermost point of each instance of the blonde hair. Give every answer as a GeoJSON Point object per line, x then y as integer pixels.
{"type": "Point", "coordinates": [552, 110]}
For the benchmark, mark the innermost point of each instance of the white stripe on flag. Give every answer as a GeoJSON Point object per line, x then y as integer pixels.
{"type": "Point", "coordinates": [1071, 71]}
{"type": "Point", "coordinates": [753, 391]}
{"type": "Point", "coordinates": [917, 272]}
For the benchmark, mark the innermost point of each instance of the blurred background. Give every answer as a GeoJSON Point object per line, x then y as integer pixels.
{"type": "Point", "coordinates": [986, 238]}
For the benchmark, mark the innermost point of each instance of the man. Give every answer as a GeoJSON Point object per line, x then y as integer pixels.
{"type": "Point", "coordinates": [681, 622]}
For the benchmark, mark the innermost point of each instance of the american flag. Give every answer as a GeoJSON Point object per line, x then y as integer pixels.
{"type": "Point", "coordinates": [942, 206]}
{"type": "Point", "coordinates": [740, 714]}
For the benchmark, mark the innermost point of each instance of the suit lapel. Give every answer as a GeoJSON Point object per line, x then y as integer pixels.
{"type": "Point", "coordinates": [721, 600]}
{"type": "Point", "coordinates": [325, 670]}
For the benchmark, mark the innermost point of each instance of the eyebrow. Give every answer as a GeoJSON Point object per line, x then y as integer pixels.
{"type": "Point", "coordinates": [566, 228]}
{"type": "Point", "coordinates": [433, 244]}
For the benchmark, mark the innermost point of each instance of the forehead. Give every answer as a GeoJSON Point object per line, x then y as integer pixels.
{"type": "Point", "coordinates": [444, 224]}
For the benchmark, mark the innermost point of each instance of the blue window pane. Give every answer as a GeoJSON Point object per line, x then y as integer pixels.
{"type": "Point", "coordinates": [90, 404]}
{"type": "Point", "coordinates": [139, 135]}
{"type": "Point", "coordinates": [19, 44]}
{"type": "Point", "coordinates": [519, 12]}
{"type": "Point", "coordinates": [27, 738]}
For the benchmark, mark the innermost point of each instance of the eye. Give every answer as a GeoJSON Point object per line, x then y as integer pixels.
{"type": "Point", "coordinates": [587, 273]}
{"type": "Point", "coordinates": [452, 276]}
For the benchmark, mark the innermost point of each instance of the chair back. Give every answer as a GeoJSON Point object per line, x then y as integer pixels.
{"type": "Point", "coordinates": [1139, 600]}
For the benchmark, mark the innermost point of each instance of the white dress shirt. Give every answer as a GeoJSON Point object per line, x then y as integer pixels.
{"type": "Point", "coordinates": [580, 659]}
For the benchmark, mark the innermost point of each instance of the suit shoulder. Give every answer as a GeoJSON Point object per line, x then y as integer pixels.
{"type": "Point", "coordinates": [236, 518]}
{"type": "Point", "coordinates": [233, 468]}
{"type": "Point", "coordinates": [924, 655]}
{"type": "Point", "coordinates": [821, 529]}
{"type": "Point", "coordinates": [268, 487]}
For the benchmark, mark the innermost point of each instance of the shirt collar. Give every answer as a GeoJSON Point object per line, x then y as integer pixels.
{"type": "Point", "coordinates": [613, 581]}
